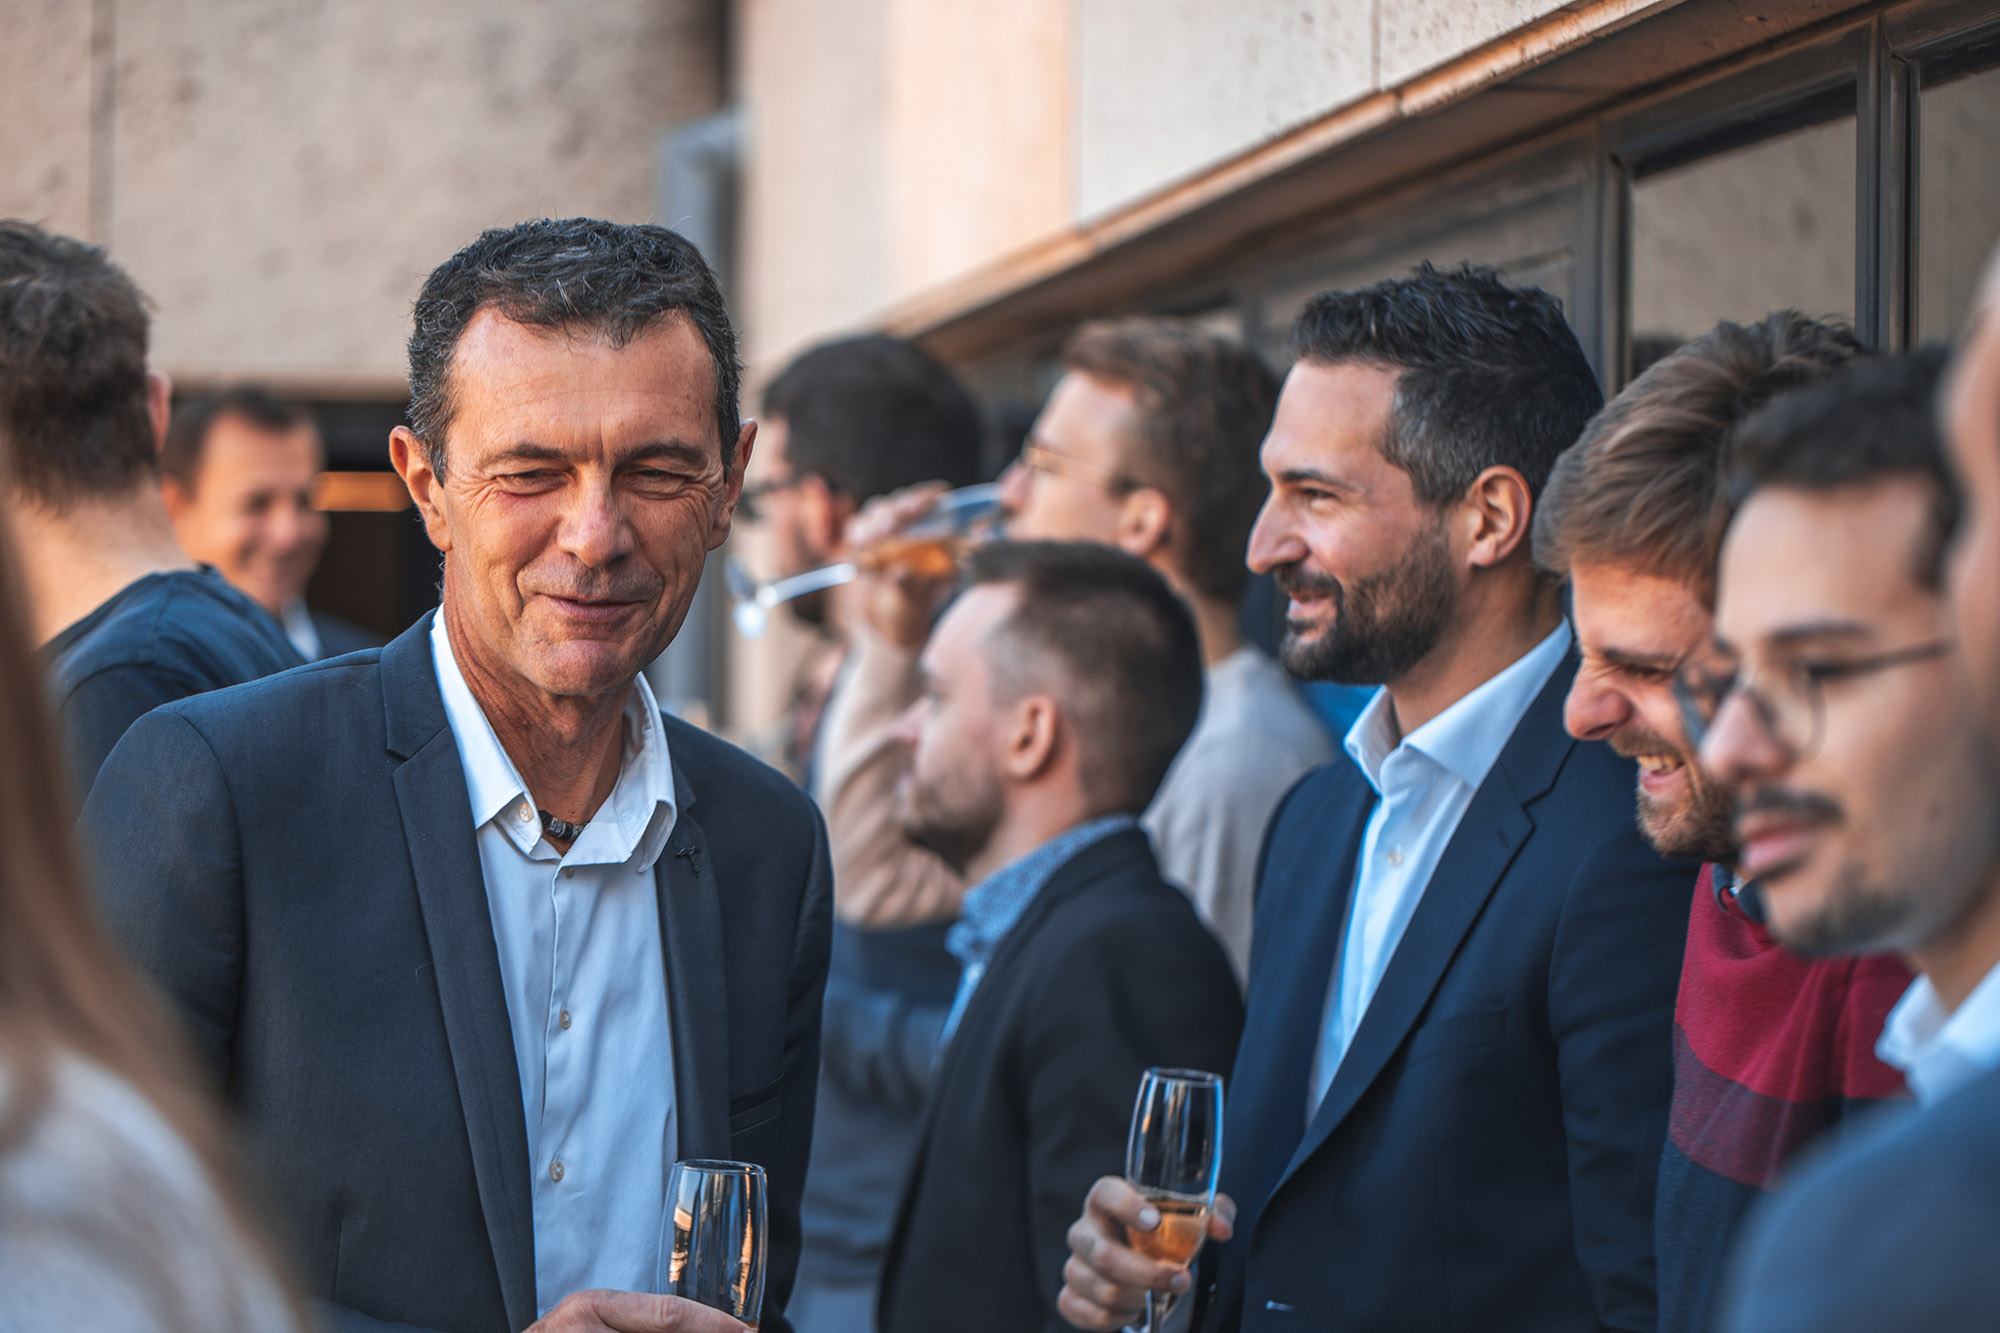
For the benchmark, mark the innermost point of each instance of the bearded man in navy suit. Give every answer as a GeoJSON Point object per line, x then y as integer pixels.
{"type": "Point", "coordinates": [1449, 1104]}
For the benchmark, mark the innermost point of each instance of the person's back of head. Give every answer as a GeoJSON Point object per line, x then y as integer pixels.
{"type": "Point", "coordinates": [1105, 636]}
{"type": "Point", "coordinates": [1642, 488]}
{"type": "Point", "coordinates": [1487, 374]}
{"type": "Point", "coordinates": [1203, 404]}
{"type": "Point", "coordinates": [74, 413]}
{"type": "Point", "coordinates": [874, 414]}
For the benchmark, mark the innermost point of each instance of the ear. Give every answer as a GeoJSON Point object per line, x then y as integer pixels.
{"type": "Point", "coordinates": [1030, 739]}
{"type": "Point", "coordinates": [1498, 513]}
{"type": "Point", "coordinates": [732, 485]}
{"type": "Point", "coordinates": [1144, 521]}
{"type": "Point", "coordinates": [412, 463]}
{"type": "Point", "coordinates": [176, 497]}
{"type": "Point", "coordinates": [159, 405]}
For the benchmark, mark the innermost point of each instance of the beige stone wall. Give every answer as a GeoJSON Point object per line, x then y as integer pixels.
{"type": "Point", "coordinates": [280, 174]}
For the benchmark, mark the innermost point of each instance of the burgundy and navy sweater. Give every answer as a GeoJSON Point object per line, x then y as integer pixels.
{"type": "Point", "coordinates": [1769, 1050]}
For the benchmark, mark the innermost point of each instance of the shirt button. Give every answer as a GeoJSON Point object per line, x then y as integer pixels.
{"type": "Point", "coordinates": [563, 1018]}
{"type": "Point", "coordinates": [569, 872]}
{"type": "Point", "coordinates": [1395, 856]}
{"type": "Point", "coordinates": [556, 1170]}
{"type": "Point", "coordinates": [523, 813]}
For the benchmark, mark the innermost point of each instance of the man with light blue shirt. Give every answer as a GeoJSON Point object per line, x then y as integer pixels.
{"type": "Point", "coordinates": [1056, 692]}
{"type": "Point", "coordinates": [1448, 1107]}
{"type": "Point", "coordinates": [1869, 811]}
{"type": "Point", "coordinates": [476, 941]}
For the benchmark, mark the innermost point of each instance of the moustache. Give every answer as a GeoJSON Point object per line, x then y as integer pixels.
{"type": "Point", "coordinates": [1802, 805]}
{"type": "Point", "coordinates": [1299, 583]}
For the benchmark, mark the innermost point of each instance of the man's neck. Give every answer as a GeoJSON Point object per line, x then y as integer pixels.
{"type": "Point", "coordinates": [1965, 953]}
{"type": "Point", "coordinates": [1216, 625]}
{"type": "Point", "coordinates": [1479, 647]}
{"type": "Point", "coordinates": [1034, 818]}
{"type": "Point", "coordinates": [567, 748]}
{"type": "Point", "coordinates": [75, 561]}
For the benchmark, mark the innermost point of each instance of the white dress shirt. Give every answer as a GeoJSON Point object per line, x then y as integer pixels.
{"type": "Point", "coordinates": [1424, 784]}
{"type": "Point", "coordinates": [299, 628]}
{"type": "Point", "coordinates": [580, 963]}
{"type": "Point", "coordinates": [1937, 1051]}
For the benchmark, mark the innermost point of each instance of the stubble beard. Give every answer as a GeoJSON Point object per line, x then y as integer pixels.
{"type": "Point", "coordinates": [1383, 624]}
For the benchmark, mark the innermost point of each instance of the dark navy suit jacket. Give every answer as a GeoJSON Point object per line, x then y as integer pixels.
{"type": "Point", "coordinates": [293, 862]}
{"type": "Point", "coordinates": [1895, 1225]}
{"type": "Point", "coordinates": [1486, 1154]}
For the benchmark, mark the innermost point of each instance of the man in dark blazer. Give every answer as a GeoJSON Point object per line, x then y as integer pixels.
{"type": "Point", "coordinates": [1449, 1106]}
{"type": "Point", "coordinates": [466, 1045]}
{"type": "Point", "coordinates": [1057, 691]}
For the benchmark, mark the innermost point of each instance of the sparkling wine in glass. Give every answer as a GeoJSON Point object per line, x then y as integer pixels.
{"type": "Point", "coordinates": [715, 1224]}
{"type": "Point", "coordinates": [1173, 1157]}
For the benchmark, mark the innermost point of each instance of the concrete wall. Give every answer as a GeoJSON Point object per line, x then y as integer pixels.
{"type": "Point", "coordinates": [280, 174]}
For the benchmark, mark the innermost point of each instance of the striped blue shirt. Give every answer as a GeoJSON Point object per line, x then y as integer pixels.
{"type": "Point", "coordinates": [994, 905]}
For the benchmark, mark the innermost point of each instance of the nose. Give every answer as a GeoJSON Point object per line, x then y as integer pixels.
{"type": "Point", "coordinates": [1739, 748]}
{"type": "Point", "coordinates": [1014, 484]}
{"type": "Point", "coordinates": [594, 530]}
{"type": "Point", "coordinates": [1594, 710]}
{"type": "Point", "coordinates": [1273, 541]}
{"type": "Point", "coordinates": [905, 726]}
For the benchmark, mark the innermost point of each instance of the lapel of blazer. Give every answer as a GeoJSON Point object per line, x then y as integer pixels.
{"type": "Point", "coordinates": [1484, 845]}
{"type": "Point", "coordinates": [431, 795]}
{"type": "Point", "coordinates": [691, 946]}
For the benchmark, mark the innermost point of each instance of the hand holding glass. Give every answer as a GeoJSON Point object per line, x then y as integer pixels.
{"type": "Point", "coordinates": [715, 1211]}
{"type": "Point", "coordinates": [1173, 1157]}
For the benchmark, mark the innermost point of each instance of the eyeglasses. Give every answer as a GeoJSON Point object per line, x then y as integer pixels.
{"type": "Point", "coordinates": [1792, 707]}
{"type": "Point", "coordinates": [751, 503]}
{"type": "Point", "coordinates": [1040, 458]}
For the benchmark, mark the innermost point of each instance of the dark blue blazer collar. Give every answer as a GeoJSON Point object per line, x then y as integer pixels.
{"type": "Point", "coordinates": [1492, 831]}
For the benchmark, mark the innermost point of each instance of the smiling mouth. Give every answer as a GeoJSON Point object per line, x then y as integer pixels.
{"type": "Point", "coordinates": [593, 610]}
{"type": "Point", "coordinates": [1773, 848]}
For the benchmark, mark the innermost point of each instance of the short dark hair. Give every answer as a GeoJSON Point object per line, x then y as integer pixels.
{"type": "Point", "coordinates": [1122, 647]}
{"type": "Point", "coordinates": [1875, 420]}
{"type": "Point", "coordinates": [578, 275]}
{"type": "Point", "coordinates": [1642, 487]}
{"type": "Point", "coordinates": [1491, 375]}
{"type": "Point", "coordinates": [874, 414]}
{"type": "Point", "coordinates": [1205, 405]}
{"type": "Point", "coordinates": [73, 326]}
{"type": "Point", "coordinates": [187, 432]}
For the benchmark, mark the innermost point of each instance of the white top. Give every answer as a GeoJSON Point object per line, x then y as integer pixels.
{"type": "Point", "coordinates": [1425, 782]}
{"type": "Point", "coordinates": [1254, 739]}
{"type": "Point", "coordinates": [580, 963]}
{"type": "Point", "coordinates": [299, 628]}
{"type": "Point", "coordinates": [1939, 1051]}
{"type": "Point", "coordinates": [108, 1221]}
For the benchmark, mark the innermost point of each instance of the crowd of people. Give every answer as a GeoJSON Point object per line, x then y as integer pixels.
{"type": "Point", "coordinates": [1631, 960]}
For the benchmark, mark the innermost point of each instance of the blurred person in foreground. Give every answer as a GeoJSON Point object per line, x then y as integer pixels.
{"type": "Point", "coordinates": [117, 1201]}
{"type": "Point", "coordinates": [1769, 1048]}
{"type": "Point", "coordinates": [124, 618]}
{"type": "Point", "coordinates": [1148, 444]}
{"type": "Point", "coordinates": [844, 423]}
{"type": "Point", "coordinates": [476, 939]}
{"type": "Point", "coordinates": [1057, 689]}
{"type": "Point", "coordinates": [1449, 1104]}
{"type": "Point", "coordinates": [1870, 813]}
{"type": "Point", "coordinates": [237, 475]}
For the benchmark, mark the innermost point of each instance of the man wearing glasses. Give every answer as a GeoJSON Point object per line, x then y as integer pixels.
{"type": "Point", "coordinates": [1770, 1049]}
{"type": "Point", "coordinates": [1869, 808]}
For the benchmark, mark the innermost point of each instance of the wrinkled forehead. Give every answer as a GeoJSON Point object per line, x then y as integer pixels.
{"type": "Point", "coordinates": [1795, 560]}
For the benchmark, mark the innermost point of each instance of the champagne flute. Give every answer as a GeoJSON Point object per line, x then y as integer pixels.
{"type": "Point", "coordinates": [716, 1258]}
{"type": "Point", "coordinates": [930, 547]}
{"type": "Point", "coordinates": [1173, 1157]}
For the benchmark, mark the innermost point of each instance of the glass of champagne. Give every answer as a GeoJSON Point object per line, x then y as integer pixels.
{"type": "Point", "coordinates": [715, 1217]}
{"type": "Point", "coordinates": [1173, 1157]}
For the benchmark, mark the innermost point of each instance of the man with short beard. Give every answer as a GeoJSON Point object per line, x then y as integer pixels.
{"type": "Point", "coordinates": [1448, 1109]}
{"type": "Point", "coordinates": [1769, 1048]}
{"type": "Point", "coordinates": [1870, 813]}
{"type": "Point", "coordinates": [1056, 692]}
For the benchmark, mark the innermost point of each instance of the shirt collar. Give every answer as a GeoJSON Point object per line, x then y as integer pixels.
{"type": "Point", "coordinates": [994, 906]}
{"type": "Point", "coordinates": [1465, 739]}
{"type": "Point", "coordinates": [633, 823]}
{"type": "Point", "coordinates": [1939, 1051]}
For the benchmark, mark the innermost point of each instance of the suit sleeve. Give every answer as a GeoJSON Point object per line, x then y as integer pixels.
{"type": "Point", "coordinates": [880, 1047]}
{"type": "Point", "coordinates": [161, 836]}
{"type": "Point", "coordinates": [1110, 1007]}
{"type": "Point", "coordinates": [97, 713]}
{"type": "Point", "coordinates": [812, 946]}
{"type": "Point", "coordinates": [1614, 973]}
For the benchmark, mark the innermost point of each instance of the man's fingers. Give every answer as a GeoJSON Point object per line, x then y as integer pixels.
{"type": "Point", "coordinates": [1114, 1198]}
{"type": "Point", "coordinates": [1087, 1314]}
{"type": "Point", "coordinates": [643, 1312]}
{"type": "Point", "coordinates": [1222, 1222]}
{"type": "Point", "coordinates": [1098, 1243]}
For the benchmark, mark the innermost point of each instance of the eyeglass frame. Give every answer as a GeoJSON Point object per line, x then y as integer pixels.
{"type": "Point", "coordinates": [751, 499]}
{"type": "Point", "coordinates": [1042, 459]}
{"type": "Point", "coordinates": [1810, 689]}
